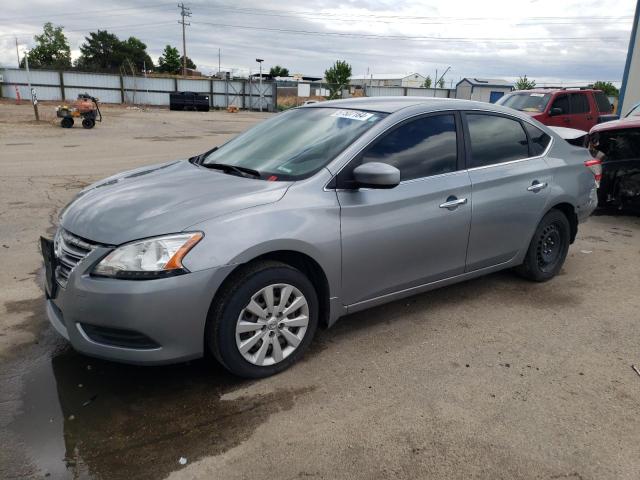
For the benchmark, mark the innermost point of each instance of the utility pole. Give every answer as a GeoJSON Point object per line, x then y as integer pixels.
{"type": "Point", "coordinates": [32, 91]}
{"type": "Point", "coordinates": [219, 71]}
{"type": "Point", "coordinates": [184, 12]}
{"type": "Point", "coordinates": [260, 60]}
{"type": "Point", "coordinates": [17, 52]}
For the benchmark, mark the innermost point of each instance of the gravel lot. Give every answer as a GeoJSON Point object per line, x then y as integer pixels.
{"type": "Point", "coordinates": [493, 378]}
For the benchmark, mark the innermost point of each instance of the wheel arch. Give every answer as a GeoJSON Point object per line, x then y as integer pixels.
{"type": "Point", "coordinates": [298, 260]}
{"type": "Point", "coordinates": [569, 211]}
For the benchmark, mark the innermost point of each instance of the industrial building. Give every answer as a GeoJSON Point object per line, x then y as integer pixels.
{"type": "Point", "coordinates": [389, 80]}
{"type": "Point", "coordinates": [482, 89]}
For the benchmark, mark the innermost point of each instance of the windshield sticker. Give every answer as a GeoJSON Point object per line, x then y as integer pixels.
{"type": "Point", "coordinates": [352, 115]}
{"type": "Point", "coordinates": [536, 94]}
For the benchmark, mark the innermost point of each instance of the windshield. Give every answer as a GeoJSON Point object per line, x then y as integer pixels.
{"type": "Point", "coordinates": [295, 144]}
{"type": "Point", "coordinates": [634, 112]}
{"type": "Point", "coordinates": [526, 102]}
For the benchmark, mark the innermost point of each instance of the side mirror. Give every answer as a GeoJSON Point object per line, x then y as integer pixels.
{"type": "Point", "coordinates": [556, 111]}
{"type": "Point", "coordinates": [376, 175]}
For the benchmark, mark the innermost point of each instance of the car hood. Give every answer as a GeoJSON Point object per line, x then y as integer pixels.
{"type": "Point", "coordinates": [161, 199]}
{"type": "Point", "coordinates": [621, 124]}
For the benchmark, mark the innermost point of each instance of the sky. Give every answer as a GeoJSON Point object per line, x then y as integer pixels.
{"type": "Point", "coordinates": [551, 41]}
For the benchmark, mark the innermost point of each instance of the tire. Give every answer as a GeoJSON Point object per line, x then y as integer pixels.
{"type": "Point", "coordinates": [88, 123]}
{"type": "Point", "coordinates": [548, 249]}
{"type": "Point", "coordinates": [230, 313]}
{"type": "Point", "coordinates": [66, 122]}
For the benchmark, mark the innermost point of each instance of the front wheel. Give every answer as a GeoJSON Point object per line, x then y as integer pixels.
{"type": "Point", "coordinates": [88, 123]}
{"type": "Point", "coordinates": [263, 320]}
{"type": "Point", "coordinates": [66, 122]}
{"type": "Point", "coordinates": [548, 249]}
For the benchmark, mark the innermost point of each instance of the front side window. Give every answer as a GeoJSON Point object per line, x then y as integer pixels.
{"type": "Point", "coordinates": [419, 148]}
{"type": "Point", "coordinates": [579, 103]}
{"type": "Point", "coordinates": [495, 139]}
{"type": "Point", "coordinates": [295, 144]}
{"type": "Point", "coordinates": [562, 102]}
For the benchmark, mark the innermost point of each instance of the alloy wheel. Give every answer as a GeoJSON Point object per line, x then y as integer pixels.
{"type": "Point", "coordinates": [272, 325]}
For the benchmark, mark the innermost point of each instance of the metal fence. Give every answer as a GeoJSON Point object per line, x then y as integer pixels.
{"type": "Point", "coordinates": [113, 88]}
{"type": "Point", "coordinates": [371, 91]}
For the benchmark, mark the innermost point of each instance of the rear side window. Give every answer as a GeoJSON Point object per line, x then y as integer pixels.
{"type": "Point", "coordinates": [604, 106]}
{"type": "Point", "coordinates": [538, 140]}
{"type": "Point", "coordinates": [420, 148]}
{"type": "Point", "coordinates": [579, 103]}
{"type": "Point", "coordinates": [562, 102]}
{"type": "Point", "coordinates": [495, 139]}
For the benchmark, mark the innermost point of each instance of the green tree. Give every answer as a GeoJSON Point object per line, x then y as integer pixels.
{"type": "Point", "coordinates": [279, 71]}
{"type": "Point", "coordinates": [51, 50]}
{"type": "Point", "coordinates": [427, 82]}
{"type": "Point", "coordinates": [170, 60]}
{"type": "Point", "coordinates": [134, 50]}
{"type": "Point", "coordinates": [608, 88]}
{"type": "Point", "coordinates": [338, 77]}
{"type": "Point", "coordinates": [440, 83]}
{"type": "Point", "coordinates": [524, 83]}
{"type": "Point", "coordinates": [190, 63]}
{"type": "Point", "coordinates": [105, 52]}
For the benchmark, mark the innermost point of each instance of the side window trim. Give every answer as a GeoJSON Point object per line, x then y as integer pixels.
{"type": "Point", "coordinates": [460, 165]}
{"type": "Point", "coordinates": [467, 139]}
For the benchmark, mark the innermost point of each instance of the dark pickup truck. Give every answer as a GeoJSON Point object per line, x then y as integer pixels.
{"type": "Point", "coordinates": [189, 101]}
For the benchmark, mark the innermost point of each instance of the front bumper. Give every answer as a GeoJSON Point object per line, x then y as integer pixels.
{"type": "Point", "coordinates": [170, 311]}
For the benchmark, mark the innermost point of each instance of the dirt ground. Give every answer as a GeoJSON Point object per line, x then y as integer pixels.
{"type": "Point", "coordinates": [490, 379]}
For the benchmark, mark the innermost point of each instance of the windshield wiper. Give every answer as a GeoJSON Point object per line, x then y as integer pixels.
{"type": "Point", "coordinates": [242, 171]}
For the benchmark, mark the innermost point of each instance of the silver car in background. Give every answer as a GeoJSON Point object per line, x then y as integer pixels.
{"type": "Point", "coordinates": [320, 211]}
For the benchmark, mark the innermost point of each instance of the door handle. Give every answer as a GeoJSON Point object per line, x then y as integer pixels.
{"type": "Point", "coordinates": [537, 186]}
{"type": "Point", "coordinates": [453, 202]}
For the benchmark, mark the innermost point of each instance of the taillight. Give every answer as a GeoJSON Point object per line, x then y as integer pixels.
{"type": "Point", "coordinates": [596, 168]}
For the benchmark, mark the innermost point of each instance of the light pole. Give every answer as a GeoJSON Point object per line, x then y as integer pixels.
{"type": "Point", "coordinates": [260, 60]}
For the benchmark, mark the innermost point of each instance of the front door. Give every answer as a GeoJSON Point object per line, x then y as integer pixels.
{"type": "Point", "coordinates": [417, 232]}
{"type": "Point", "coordinates": [563, 118]}
{"type": "Point", "coordinates": [510, 181]}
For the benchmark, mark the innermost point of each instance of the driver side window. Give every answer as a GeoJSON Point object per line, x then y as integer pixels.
{"type": "Point", "coordinates": [562, 102]}
{"type": "Point", "coordinates": [419, 148]}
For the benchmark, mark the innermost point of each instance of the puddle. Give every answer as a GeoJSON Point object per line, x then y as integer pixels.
{"type": "Point", "coordinates": [84, 418]}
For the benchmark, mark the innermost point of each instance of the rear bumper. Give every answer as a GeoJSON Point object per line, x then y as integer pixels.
{"type": "Point", "coordinates": [585, 210]}
{"type": "Point", "coordinates": [172, 312]}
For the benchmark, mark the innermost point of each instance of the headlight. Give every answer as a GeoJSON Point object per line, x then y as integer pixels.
{"type": "Point", "coordinates": [150, 258]}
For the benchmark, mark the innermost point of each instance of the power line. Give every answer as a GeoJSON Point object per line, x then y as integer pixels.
{"type": "Point", "coordinates": [412, 19]}
{"type": "Point", "coordinates": [85, 12]}
{"type": "Point", "coordinates": [88, 30]}
{"type": "Point", "coordinates": [405, 37]}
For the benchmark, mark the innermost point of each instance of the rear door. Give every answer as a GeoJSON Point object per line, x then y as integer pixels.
{"type": "Point", "coordinates": [583, 112]}
{"type": "Point", "coordinates": [414, 233]}
{"type": "Point", "coordinates": [509, 182]}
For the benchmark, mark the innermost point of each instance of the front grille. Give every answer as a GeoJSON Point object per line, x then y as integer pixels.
{"type": "Point", "coordinates": [70, 250]}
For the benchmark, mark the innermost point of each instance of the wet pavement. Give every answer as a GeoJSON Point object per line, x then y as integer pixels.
{"type": "Point", "coordinates": [83, 418]}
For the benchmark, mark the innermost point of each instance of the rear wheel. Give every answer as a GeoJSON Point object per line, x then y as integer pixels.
{"type": "Point", "coordinates": [66, 122]}
{"type": "Point", "coordinates": [88, 123]}
{"type": "Point", "coordinates": [263, 320]}
{"type": "Point", "coordinates": [548, 249]}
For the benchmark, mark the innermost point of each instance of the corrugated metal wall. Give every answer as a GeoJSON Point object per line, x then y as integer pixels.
{"type": "Point", "coordinates": [409, 92]}
{"type": "Point", "coordinates": [111, 88]}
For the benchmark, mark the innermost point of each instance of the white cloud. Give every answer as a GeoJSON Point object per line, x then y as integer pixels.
{"type": "Point", "coordinates": [544, 39]}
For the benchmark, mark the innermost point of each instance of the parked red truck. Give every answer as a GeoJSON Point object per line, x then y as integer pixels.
{"type": "Point", "coordinates": [573, 108]}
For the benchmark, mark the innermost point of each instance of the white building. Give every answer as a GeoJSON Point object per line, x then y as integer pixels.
{"type": "Point", "coordinates": [389, 80]}
{"type": "Point", "coordinates": [482, 89]}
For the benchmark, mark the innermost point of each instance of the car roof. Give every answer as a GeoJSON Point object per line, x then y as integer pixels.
{"type": "Point", "coordinates": [394, 104]}
{"type": "Point", "coordinates": [556, 90]}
